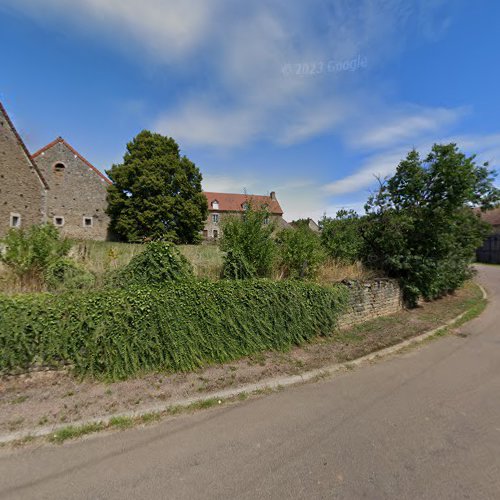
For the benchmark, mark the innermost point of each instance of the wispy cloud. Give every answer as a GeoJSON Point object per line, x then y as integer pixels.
{"type": "Point", "coordinates": [406, 126]}
{"type": "Point", "coordinates": [377, 166]}
{"type": "Point", "coordinates": [166, 29]}
{"type": "Point", "coordinates": [382, 164]}
{"type": "Point", "coordinates": [242, 48]}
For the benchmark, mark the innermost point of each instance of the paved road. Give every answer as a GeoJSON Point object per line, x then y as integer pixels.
{"type": "Point", "coordinates": [421, 425]}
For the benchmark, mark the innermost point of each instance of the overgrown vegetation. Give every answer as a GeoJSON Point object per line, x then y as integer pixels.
{"type": "Point", "coordinates": [248, 243]}
{"type": "Point", "coordinates": [341, 236]}
{"type": "Point", "coordinates": [420, 227]}
{"type": "Point", "coordinates": [160, 262]}
{"type": "Point", "coordinates": [66, 274]}
{"type": "Point", "coordinates": [300, 253]}
{"type": "Point", "coordinates": [37, 259]}
{"type": "Point", "coordinates": [179, 326]}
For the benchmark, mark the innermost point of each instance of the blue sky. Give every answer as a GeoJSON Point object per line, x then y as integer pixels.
{"type": "Point", "coordinates": [309, 99]}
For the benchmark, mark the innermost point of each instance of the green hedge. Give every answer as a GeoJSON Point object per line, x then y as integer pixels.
{"type": "Point", "coordinates": [177, 327]}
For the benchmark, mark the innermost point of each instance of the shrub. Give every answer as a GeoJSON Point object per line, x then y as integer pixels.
{"type": "Point", "coordinates": [248, 242]}
{"type": "Point", "coordinates": [179, 326]}
{"type": "Point", "coordinates": [300, 252]}
{"type": "Point", "coordinates": [28, 252]}
{"type": "Point", "coordinates": [160, 262]}
{"type": "Point", "coordinates": [65, 274]}
{"type": "Point", "coordinates": [420, 226]}
{"type": "Point", "coordinates": [341, 237]}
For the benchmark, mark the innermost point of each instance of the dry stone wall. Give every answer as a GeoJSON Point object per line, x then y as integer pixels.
{"type": "Point", "coordinates": [371, 299]}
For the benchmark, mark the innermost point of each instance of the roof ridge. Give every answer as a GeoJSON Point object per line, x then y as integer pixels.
{"type": "Point", "coordinates": [23, 146]}
{"type": "Point", "coordinates": [233, 202]}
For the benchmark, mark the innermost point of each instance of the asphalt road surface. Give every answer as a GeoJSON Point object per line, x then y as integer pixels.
{"type": "Point", "coordinates": [424, 424]}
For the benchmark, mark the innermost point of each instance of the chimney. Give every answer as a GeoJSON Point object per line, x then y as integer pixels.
{"type": "Point", "coordinates": [273, 195]}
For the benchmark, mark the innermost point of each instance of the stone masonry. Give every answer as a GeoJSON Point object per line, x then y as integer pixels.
{"type": "Point", "coordinates": [371, 299]}
{"type": "Point", "coordinates": [23, 189]}
{"type": "Point", "coordinates": [76, 200]}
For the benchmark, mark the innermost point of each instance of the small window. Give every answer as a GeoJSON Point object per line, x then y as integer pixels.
{"type": "Point", "coordinates": [15, 220]}
{"type": "Point", "coordinates": [245, 206]}
{"type": "Point", "coordinates": [215, 205]}
{"type": "Point", "coordinates": [266, 220]}
{"type": "Point", "coordinates": [215, 218]}
{"type": "Point", "coordinates": [58, 221]}
{"type": "Point", "coordinates": [88, 221]}
{"type": "Point", "coordinates": [59, 167]}
{"type": "Point", "coordinates": [215, 234]}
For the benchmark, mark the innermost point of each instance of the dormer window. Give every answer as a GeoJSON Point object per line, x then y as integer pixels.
{"type": "Point", "coordinates": [59, 167]}
{"type": "Point", "coordinates": [215, 205]}
{"type": "Point", "coordinates": [245, 206]}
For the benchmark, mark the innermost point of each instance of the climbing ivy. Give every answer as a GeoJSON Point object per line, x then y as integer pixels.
{"type": "Point", "coordinates": [178, 326]}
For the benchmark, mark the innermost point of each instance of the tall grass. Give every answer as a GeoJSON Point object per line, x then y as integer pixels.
{"type": "Point", "coordinates": [100, 257]}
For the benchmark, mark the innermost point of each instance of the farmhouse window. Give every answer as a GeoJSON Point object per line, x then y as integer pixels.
{"type": "Point", "coordinates": [88, 221]}
{"type": "Point", "coordinates": [216, 234]}
{"type": "Point", "coordinates": [58, 221]}
{"type": "Point", "coordinates": [15, 220]}
{"type": "Point", "coordinates": [215, 218]}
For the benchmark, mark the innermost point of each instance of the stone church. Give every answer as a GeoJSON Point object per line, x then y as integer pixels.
{"type": "Point", "coordinates": [56, 184]}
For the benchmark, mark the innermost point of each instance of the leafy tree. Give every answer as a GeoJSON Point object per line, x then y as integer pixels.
{"type": "Point", "coordinates": [300, 252]}
{"type": "Point", "coordinates": [341, 237]}
{"type": "Point", "coordinates": [247, 241]}
{"type": "Point", "coordinates": [420, 225]}
{"type": "Point", "coordinates": [156, 193]}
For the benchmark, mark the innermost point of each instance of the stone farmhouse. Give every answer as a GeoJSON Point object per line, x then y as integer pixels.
{"type": "Point", "coordinates": [223, 205]}
{"type": "Point", "coordinates": [23, 188]}
{"type": "Point", "coordinates": [58, 185]}
{"type": "Point", "coordinates": [76, 200]}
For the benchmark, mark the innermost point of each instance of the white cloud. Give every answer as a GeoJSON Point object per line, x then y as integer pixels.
{"type": "Point", "coordinates": [228, 184]}
{"type": "Point", "coordinates": [406, 126]}
{"type": "Point", "coordinates": [167, 29]}
{"type": "Point", "coordinates": [383, 164]}
{"type": "Point", "coordinates": [377, 166]}
{"type": "Point", "coordinates": [242, 47]}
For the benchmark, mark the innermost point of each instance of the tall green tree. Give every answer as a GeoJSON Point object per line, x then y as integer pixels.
{"type": "Point", "coordinates": [341, 236]}
{"type": "Point", "coordinates": [420, 226]}
{"type": "Point", "coordinates": [156, 193]}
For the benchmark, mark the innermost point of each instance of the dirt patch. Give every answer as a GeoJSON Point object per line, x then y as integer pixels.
{"type": "Point", "coordinates": [51, 398]}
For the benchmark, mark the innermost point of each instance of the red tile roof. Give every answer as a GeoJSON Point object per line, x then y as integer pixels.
{"type": "Point", "coordinates": [23, 146]}
{"type": "Point", "coordinates": [492, 216]}
{"type": "Point", "coordinates": [75, 152]}
{"type": "Point", "coordinates": [229, 202]}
